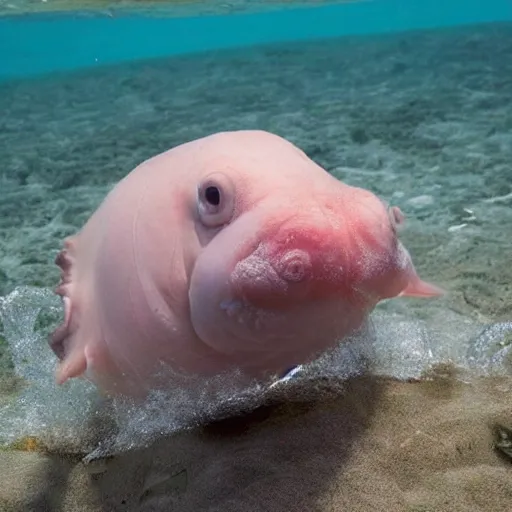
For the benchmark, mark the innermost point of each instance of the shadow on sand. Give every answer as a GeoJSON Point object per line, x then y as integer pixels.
{"type": "Point", "coordinates": [284, 454]}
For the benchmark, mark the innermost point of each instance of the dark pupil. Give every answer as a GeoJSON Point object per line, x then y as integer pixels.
{"type": "Point", "coordinates": [212, 195]}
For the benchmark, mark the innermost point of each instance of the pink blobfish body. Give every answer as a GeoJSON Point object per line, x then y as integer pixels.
{"type": "Point", "coordinates": [234, 251]}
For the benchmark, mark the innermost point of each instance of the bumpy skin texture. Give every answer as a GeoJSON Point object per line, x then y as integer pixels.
{"type": "Point", "coordinates": [232, 251]}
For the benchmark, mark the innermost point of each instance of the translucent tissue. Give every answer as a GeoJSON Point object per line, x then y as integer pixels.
{"type": "Point", "coordinates": [76, 418]}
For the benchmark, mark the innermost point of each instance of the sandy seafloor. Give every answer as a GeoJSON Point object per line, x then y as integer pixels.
{"type": "Point", "coordinates": [422, 119]}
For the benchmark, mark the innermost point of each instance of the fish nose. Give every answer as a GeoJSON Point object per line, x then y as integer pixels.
{"type": "Point", "coordinates": [294, 266]}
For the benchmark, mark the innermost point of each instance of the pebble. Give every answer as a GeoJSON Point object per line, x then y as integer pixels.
{"type": "Point", "coordinates": [420, 201]}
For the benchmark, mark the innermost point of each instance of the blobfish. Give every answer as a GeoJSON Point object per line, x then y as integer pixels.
{"type": "Point", "coordinates": [234, 251]}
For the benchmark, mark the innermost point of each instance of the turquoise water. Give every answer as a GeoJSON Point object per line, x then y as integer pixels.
{"type": "Point", "coordinates": [411, 100]}
{"type": "Point", "coordinates": [45, 43]}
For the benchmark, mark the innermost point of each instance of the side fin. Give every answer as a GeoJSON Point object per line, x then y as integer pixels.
{"type": "Point", "coordinates": [73, 365]}
{"type": "Point", "coordinates": [419, 288]}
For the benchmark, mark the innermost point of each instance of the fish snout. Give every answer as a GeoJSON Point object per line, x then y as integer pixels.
{"type": "Point", "coordinates": [264, 277]}
{"type": "Point", "coordinates": [294, 266]}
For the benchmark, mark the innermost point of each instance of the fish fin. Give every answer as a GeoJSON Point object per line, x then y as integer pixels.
{"type": "Point", "coordinates": [419, 288]}
{"type": "Point", "coordinates": [73, 365]}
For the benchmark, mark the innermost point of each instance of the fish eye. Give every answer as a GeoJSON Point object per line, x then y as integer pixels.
{"type": "Point", "coordinates": [212, 195]}
{"type": "Point", "coordinates": [215, 199]}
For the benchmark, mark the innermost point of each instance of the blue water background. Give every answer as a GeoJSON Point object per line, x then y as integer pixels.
{"type": "Point", "coordinates": [34, 44]}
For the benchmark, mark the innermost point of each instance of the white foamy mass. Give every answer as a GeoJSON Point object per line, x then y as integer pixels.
{"type": "Point", "coordinates": [75, 418]}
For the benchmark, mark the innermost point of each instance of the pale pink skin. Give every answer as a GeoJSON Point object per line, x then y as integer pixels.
{"type": "Point", "coordinates": [289, 263]}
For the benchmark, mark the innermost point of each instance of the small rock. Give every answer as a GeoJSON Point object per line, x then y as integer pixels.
{"type": "Point", "coordinates": [457, 227]}
{"type": "Point", "coordinates": [420, 201]}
